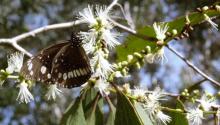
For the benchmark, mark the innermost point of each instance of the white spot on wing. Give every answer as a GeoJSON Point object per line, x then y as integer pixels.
{"type": "Point", "coordinates": [74, 73]}
{"type": "Point", "coordinates": [64, 76]}
{"type": "Point", "coordinates": [30, 66]}
{"type": "Point", "coordinates": [84, 71]}
{"type": "Point", "coordinates": [43, 69]}
{"type": "Point", "coordinates": [81, 71]}
{"type": "Point", "coordinates": [70, 74]}
{"type": "Point", "coordinates": [77, 72]}
{"type": "Point", "coordinates": [48, 75]}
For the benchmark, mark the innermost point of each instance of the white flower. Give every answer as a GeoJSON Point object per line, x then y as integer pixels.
{"type": "Point", "coordinates": [160, 30]}
{"type": "Point", "coordinates": [213, 24]}
{"type": "Point", "coordinates": [100, 27]}
{"type": "Point", "coordinates": [156, 95]}
{"type": "Point", "coordinates": [53, 92]}
{"type": "Point", "coordinates": [151, 108]}
{"type": "Point", "coordinates": [89, 40]}
{"type": "Point", "coordinates": [24, 94]}
{"type": "Point", "coordinates": [139, 93]}
{"type": "Point", "coordinates": [102, 87]}
{"type": "Point", "coordinates": [206, 102]}
{"type": "Point", "coordinates": [110, 38]}
{"type": "Point", "coordinates": [162, 118]}
{"type": "Point", "coordinates": [101, 65]}
{"type": "Point", "coordinates": [195, 116]}
{"type": "Point", "coordinates": [15, 62]}
{"type": "Point", "coordinates": [149, 58]}
{"type": "Point", "coordinates": [159, 56]}
{"type": "Point", "coordinates": [87, 15]}
{"type": "Point", "coordinates": [103, 15]}
{"type": "Point", "coordinates": [152, 104]}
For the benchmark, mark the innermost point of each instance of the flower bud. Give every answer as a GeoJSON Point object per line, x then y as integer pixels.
{"type": "Point", "coordinates": [138, 55]}
{"type": "Point", "coordinates": [130, 58]}
{"type": "Point", "coordinates": [124, 63]}
{"type": "Point", "coordinates": [174, 32]}
{"type": "Point", "coordinates": [148, 49]}
{"type": "Point", "coordinates": [205, 8]}
{"type": "Point", "coordinates": [124, 72]}
{"type": "Point", "coordinates": [138, 66]}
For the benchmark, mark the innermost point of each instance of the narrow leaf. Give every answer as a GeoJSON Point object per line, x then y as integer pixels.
{"type": "Point", "coordinates": [74, 114]}
{"type": "Point", "coordinates": [92, 109]}
{"type": "Point", "coordinates": [125, 112]}
{"type": "Point", "coordinates": [143, 115]}
{"type": "Point", "coordinates": [178, 118]}
{"type": "Point", "coordinates": [111, 117]}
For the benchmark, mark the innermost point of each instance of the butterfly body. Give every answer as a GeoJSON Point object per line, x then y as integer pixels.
{"type": "Point", "coordinates": [65, 64]}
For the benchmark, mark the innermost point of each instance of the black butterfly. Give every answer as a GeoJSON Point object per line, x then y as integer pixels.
{"type": "Point", "coordinates": [65, 64]}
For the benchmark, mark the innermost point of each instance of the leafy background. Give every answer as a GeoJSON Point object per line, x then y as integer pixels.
{"type": "Point", "coordinates": [18, 16]}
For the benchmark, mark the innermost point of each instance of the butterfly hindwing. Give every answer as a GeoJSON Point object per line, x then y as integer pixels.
{"type": "Point", "coordinates": [70, 67]}
{"type": "Point", "coordinates": [39, 67]}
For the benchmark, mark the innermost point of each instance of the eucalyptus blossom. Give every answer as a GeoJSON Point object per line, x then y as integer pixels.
{"type": "Point", "coordinates": [24, 95]}
{"type": "Point", "coordinates": [195, 116]}
{"type": "Point", "coordinates": [53, 92]}
{"type": "Point", "coordinates": [15, 62]}
{"type": "Point", "coordinates": [102, 86]}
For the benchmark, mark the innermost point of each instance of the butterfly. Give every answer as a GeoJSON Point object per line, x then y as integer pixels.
{"type": "Point", "coordinates": [65, 64]}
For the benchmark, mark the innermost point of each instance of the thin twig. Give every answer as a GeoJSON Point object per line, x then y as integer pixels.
{"type": "Point", "coordinates": [14, 40]}
{"type": "Point", "coordinates": [191, 65]}
{"type": "Point", "coordinates": [133, 32]}
{"type": "Point", "coordinates": [165, 93]}
{"type": "Point", "coordinates": [123, 27]}
{"type": "Point", "coordinates": [112, 4]}
{"type": "Point", "coordinates": [47, 28]}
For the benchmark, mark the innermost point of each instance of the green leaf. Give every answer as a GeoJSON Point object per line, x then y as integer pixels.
{"type": "Point", "coordinates": [111, 117]}
{"type": "Point", "coordinates": [179, 118]}
{"type": "Point", "coordinates": [136, 44]}
{"type": "Point", "coordinates": [74, 114]}
{"type": "Point", "coordinates": [143, 115]}
{"type": "Point", "coordinates": [125, 112]}
{"type": "Point", "coordinates": [93, 113]}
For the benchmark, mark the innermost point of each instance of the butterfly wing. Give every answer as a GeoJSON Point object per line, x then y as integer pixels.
{"type": "Point", "coordinates": [39, 67]}
{"type": "Point", "coordinates": [70, 67]}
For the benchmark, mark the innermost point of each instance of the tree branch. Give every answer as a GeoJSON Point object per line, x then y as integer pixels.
{"type": "Point", "coordinates": [191, 65]}
{"type": "Point", "coordinates": [14, 40]}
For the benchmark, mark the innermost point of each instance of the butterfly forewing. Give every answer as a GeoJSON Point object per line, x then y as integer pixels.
{"type": "Point", "coordinates": [39, 67]}
{"type": "Point", "coordinates": [70, 67]}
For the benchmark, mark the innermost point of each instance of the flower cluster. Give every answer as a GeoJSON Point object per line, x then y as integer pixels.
{"type": "Point", "coordinates": [152, 105]}
{"type": "Point", "coordinates": [100, 37]}
{"type": "Point", "coordinates": [195, 116]}
{"type": "Point", "coordinates": [158, 56]}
